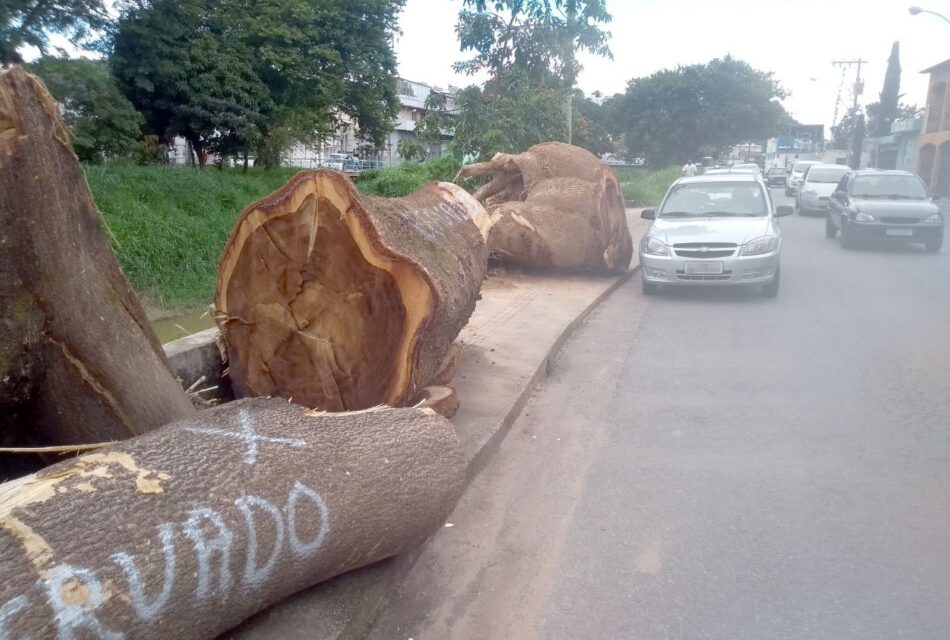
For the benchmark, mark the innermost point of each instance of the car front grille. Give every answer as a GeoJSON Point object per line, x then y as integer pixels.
{"type": "Point", "coordinates": [704, 249]}
{"type": "Point", "coordinates": [900, 220]}
{"type": "Point", "coordinates": [725, 275]}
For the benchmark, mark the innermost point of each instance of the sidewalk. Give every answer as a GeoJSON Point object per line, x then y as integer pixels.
{"type": "Point", "coordinates": [520, 322]}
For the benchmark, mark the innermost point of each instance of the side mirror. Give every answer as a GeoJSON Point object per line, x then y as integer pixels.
{"type": "Point", "coordinates": [784, 210]}
{"type": "Point", "coordinates": [648, 214]}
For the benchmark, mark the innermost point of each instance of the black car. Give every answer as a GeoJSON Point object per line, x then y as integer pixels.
{"type": "Point", "coordinates": [888, 205]}
{"type": "Point", "coordinates": [776, 177]}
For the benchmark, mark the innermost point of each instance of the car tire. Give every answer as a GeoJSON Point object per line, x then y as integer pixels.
{"type": "Point", "coordinates": [830, 229]}
{"type": "Point", "coordinates": [770, 290]}
{"type": "Point", "coordinates": [933, 246]}
{"type": "Point", "coordinates": [847, 241]}
{"type": "Point", "coordinates": [650, 288]}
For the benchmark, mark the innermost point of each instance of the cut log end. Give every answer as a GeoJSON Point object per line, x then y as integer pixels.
{"type": "Point", "coordinates": [317, 306]}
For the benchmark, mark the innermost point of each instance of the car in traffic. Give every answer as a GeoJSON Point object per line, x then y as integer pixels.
{"type": "Point", "coordinates": [819, 182]}
{"type": "Point", "coordinates": [776, 177]}
{"type": "Point", "coordinates": [713, 230]}
{"type": "Point", "coordinates": [796, 175]}
{"type": "Point", "coordinates": [886, 205]}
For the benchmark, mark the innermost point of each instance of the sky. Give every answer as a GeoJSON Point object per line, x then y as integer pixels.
{"type": "Point", "coordinates": [797, 41]}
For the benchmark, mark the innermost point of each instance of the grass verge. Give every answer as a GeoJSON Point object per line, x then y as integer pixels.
{"type": "Point", "coordinates": [646, 187]}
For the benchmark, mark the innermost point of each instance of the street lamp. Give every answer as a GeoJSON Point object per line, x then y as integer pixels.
{"type": "Point", "coordinates": [915, 10]}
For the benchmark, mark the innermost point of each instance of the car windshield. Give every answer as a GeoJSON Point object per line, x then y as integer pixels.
{"type": "Point", "coordinates": [714, 199]}
{"type": "Point", "coordinates": [829, 176]}
{"type": "Point", "coordinates": [889, 186]}
{"type": "Point", "coordinates": [800, 168]}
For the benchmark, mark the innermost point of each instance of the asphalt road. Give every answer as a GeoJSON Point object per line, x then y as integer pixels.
{"type": "Point", "coordinates": [712, 464]}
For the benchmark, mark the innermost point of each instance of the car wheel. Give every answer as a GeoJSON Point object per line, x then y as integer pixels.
{"type": "Point", "coordinates": [830, 229]}
{"type": "Point", "coordinates": [933, 246]}
{"type": "Point", "coordinates": [847, 241]}
{"type": "Point", "coordinates": [650, 288]}
{"type": "Point", "coordinates": [770, 290]}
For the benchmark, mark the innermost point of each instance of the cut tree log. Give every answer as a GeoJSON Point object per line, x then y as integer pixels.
{"type": "Point", "coordinates": [555, 206]}
{"type": "Point", "coordinates": [188, 530]}
{"type": "Point", "coordinates": [340, 301]}
{"type": "Point", "coordinates": [78, 359]}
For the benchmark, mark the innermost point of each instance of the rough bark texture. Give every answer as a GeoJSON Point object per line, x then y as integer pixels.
{"type": "Point", "coordinates": [190, 529]}
{"type": "Point", "coordinates": [78, 359]}
{"type": "Point", "coordinates": [555, 206]}
{"type": "Point", "coordinates": [344, 302]}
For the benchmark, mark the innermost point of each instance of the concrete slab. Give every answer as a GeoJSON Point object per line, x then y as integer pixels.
{"type": "Point", "coordinates": [520, 322]}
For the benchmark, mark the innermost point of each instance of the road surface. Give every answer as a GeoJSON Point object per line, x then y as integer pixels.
{"type": "Point", "coordinates": [712, 464]}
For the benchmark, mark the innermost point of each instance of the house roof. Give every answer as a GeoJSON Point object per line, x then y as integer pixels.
{"type": "Point", "coordinates": [938, 67]}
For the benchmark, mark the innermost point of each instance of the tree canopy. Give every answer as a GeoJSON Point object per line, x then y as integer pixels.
{"type": "Point", "coordinates": [29, 23]}
{"type": "Point", "coordinates": [238, 73]}
{"type": "Point", "coordinates": [103, 123]}
{"type": "Point", "coordinates": [696, 110]}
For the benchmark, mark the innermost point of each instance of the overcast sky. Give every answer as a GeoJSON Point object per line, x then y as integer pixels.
{"type": "Point", "coordinates": [795, 40]}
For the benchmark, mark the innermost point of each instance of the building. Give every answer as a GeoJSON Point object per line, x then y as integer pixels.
{"type": "Point", "coordinates": [412, 100]}
{"type": "Point", "coordinates": [897, 150]}
{"type": "Point", "coordinates": [933, 155]}
{"type": "Point", "coordinates": [345, 142]}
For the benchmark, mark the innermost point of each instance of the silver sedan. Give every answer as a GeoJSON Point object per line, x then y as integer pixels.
{"type": "Point", "coordinates": [714, 230]}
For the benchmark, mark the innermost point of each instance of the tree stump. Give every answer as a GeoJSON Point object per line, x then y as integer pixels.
{"type": "Point", "coordinates": [343, 302]}
{"type": "Point", "coordinates": [192, 528]}
{"type": "Point", "coordinates": [555, 206]}
{"type": "Point", "coordinates": [78, 359]}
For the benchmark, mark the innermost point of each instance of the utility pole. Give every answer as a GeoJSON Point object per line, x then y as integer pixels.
{"type": "Point", "coordinates": [858, 84]}
{"type": "Point", "coordinates": [857, 138]}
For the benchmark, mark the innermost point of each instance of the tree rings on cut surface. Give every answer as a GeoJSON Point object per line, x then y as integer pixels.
{"type": "Point", "coordinates": [555, 206]}
{"type": "Point", "coordinates": [343, 302]}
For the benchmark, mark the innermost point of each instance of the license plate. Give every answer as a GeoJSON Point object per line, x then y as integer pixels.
{"type": "Point", "coordinates": [704, 268]}
{"type": "Point", "coordinates": [899, 232]}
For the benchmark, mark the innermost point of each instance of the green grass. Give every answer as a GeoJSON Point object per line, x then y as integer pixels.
{"type": "Point", "coordinates": [646, 187]}
{"type": "Point", "coordinates": [170, 223]}
{"type": "Point", "coordinates": [401, 180]}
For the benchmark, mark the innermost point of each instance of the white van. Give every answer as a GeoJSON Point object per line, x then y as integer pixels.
{"type": "Point", "coordinates": [795, 178]}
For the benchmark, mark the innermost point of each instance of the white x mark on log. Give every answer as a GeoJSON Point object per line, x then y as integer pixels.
{"type": "Point", "coordinates": [250, 437]}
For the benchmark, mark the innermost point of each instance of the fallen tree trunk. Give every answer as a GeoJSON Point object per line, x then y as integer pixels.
{"type": "Point", "coordinates": [555, 206]}
{"type": "Point", "coordinates": [344, 302]}
{"type": "Point", "coordinates": [190, 529]}
{"type": "Point", "coordinates": [78, 359]}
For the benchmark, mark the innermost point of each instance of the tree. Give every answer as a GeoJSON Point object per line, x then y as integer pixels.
{"type": "Point", "coordinates": [540, 36]}
{"type": "Point", "coordinates": [678, 114]}
{"type": "Point", "coordinates": [173, 61]}
{"type": "Point", "coordinates": [233, 73]}
{"type": "Point", "coordinates": [591, 125]}
{"type": "Point", "coordinates": [28, 23]}
{"type": "Point", "coordinates": [512, 112]}
{"type": "Point", "coordinates": [103, 123]}
{"type": "Point", "coordinates": [890, 96]}
{"type": "Point", "coordinates": [843, 132]}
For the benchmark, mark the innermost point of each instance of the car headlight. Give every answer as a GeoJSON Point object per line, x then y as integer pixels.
{"type": "Point", "coordinates": [863, 217]}
{"type": "Point", "coordinates": [653, 247]}
{"type": "Point", "coordinates": [765, 244]}
{"type": "Point", "coordinates": [934, 219]}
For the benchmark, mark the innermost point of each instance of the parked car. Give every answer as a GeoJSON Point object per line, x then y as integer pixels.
{"type": "Point", "coordinates": [888, 205]}
{"type": "Point", "coordinates": [751, 166]}
{"type": "Point", "coordinates": [776, 177]}
{"type": "Point", "coordinates": [795, 177]}
{"type": "Point", "coordinates": [818, 183]}
{"type": "Point", "coordinates": [717, 229]}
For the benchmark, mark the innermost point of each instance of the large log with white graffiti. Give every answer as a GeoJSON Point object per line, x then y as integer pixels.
{"type": "Point", "coordinates": [192, 528]}
{"type": "Point", "coordinates": [555, 206]}
{"type": "Point", "coordinates": [78, 359]}
{"type": "Point", "coordinates": [341, 301]}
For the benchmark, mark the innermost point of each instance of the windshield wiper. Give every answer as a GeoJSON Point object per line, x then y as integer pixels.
{"type": "Point", "coordinates": [676, 214]}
